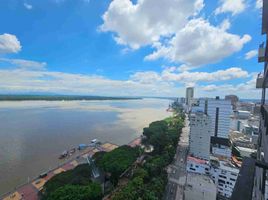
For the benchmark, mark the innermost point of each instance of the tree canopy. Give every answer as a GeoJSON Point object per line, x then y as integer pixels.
{"type": "Point", "coordinates": [71, 192]}
{"type": "Point", "coordinates": [117, 161]}
{"type": "Point", "coordinates": [73, 183]}
{"type": "Point", "coordinates": [148, 181]}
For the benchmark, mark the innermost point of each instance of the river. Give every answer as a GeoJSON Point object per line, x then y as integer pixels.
{"type": "Point", "coordinates": [34, 133]}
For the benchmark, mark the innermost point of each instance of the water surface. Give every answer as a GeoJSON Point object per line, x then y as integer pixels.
{"type": "Point", "coordinates": [34, 133]}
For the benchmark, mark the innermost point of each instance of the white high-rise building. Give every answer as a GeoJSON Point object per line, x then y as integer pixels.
{"type": "Point", "coordinates": [189, 95]}
{"type": "Point", "coordinates": [200, 133]}
{"type": "Point", "coordinates": [219, 111]}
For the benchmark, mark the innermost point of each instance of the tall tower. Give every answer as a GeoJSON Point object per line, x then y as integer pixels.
{"type": "Point", "coordinates": [200, 132]}
{"type": "Point", "coordinates": [189, 95]}
{"type": "Point", "coordinates": [219, 111]}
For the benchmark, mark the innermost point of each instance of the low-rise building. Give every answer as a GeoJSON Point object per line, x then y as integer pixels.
{"type": "Point", "coordinates": [221, 171]}
{"type": "Point", "coordinates": [199, 187]}
{"type": "Point", "coordinates": [221, 147]}
{"type": "Point", "coordinates": [224, 176]}
{"type": "Point", "coordinates": [197, 165]}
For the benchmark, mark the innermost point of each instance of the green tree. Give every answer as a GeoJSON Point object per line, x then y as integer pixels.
{"type": "Point", "coordinates": [71, 192]}
{"type": "Point", "coordinates": [78, 176]}
{"type": "Point", "coordinates": [117, 161]}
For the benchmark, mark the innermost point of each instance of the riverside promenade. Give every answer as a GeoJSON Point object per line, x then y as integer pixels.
{"type": "Point", "coordinates": [30, 190]}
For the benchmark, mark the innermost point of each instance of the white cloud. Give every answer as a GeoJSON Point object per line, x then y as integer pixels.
{"type": "Point", "coordinates": [174, 30]}
{"type": "Point", "coordinates": [251, 54]}
{"type": "Point", "coordinates": [28, 6]}
{"type": "Point", "coordinates": [233, 6]}
{"type": "Point", "coordinates": [27, 64]}
{"type": "Point", "coordinates": [245, 90]}
{"type": "Point", "coordinates": [200, 43]}
{"type": "Point", "coordinates": [146, 77]}
{"type": "Point", "coordinates": [22, 80]}
{"type": "Point", "coordinates": [173, 74]}
{"type": "Point", "coordinates": [148, 83]}
{"type": "Point", "coordinates": [225, 25]}
{"type": "Point", "coordinates": [259, 4]}
{"type": "Point", "coordinates": [9, 44]}
{"type": "Point", "coordinates": [146, 21]}
{"type": "Point", "coordinates": [220, 75]}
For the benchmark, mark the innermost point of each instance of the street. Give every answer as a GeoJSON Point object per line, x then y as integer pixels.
{"type": "Point", "coordinates": [177, 170]}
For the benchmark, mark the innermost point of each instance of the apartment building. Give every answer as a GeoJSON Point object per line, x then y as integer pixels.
{"type": "Point", "coordinates": [200, 132]}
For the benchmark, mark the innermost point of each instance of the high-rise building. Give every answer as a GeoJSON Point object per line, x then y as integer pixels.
{"type": "Point", "coordinates": [234, 99]}
{"type": "Point", "coordinates": [200, 135]}
{"type": "Point", "coordinates": [252, 182]}
{"type": "Point", "coordinates": [219, 111]}
{"type": "Point", "coordinates": [189, 95]}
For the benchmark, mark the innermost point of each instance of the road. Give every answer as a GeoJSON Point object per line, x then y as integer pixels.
{"type": "Point", "coordinates": [177, 170]}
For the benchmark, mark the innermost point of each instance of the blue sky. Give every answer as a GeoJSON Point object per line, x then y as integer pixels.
{"type": "Point", "coordinates": [130, 48]}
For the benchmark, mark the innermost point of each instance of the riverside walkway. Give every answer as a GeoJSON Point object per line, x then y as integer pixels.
{"type": "Point", "coordinates": [30, 190]}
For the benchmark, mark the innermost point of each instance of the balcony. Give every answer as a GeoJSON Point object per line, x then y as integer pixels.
{"type": "Point", "coordinates": [261, 53]}
{"type": "Point", "coordinates": [260, 80]}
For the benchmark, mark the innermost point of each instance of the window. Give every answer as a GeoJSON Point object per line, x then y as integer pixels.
{"type": "Point", "coordinates": [234, 174]}
{"type": "Point", "coordinates": [221, 181]}
{"type": "Point", "coordinates": [222, 176]}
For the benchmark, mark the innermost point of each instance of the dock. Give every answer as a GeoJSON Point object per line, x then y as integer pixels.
{"type": "Point", "coordinates": [30, 190]}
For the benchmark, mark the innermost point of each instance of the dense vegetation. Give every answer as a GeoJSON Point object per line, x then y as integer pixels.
{"type": "Point", "coordinates": [116, 161]}
{"type": "Point", "coordinates": [77, 192]}
{"type": "Point", "coordinates": [73, 183]}
{"type": "Point", "coordinates": [58, 97]}
{"type": "Point", "coordinates": [150, 179]}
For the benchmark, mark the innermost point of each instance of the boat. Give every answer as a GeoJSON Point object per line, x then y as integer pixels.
{"type": "Point", "coordinates": [72, 150]}
{"type": "Point", "coordinates": [43, 175]}
{"type": "Point", "coordinates": [94, 141]}
{"type": "Point", "coordinates": [64, 154]}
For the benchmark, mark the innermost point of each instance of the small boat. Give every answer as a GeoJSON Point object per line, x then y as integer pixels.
{"type": "Point", "coordinates": [43, 175]}
{"type": "Point", "coordinates": [64, 154]}
{"type": "Point", "coordinates": [94, 141]}
{"type": "Point", "coordinates": [72, 150]}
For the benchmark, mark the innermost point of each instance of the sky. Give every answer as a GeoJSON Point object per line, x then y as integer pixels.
{"type": "Point", "coordinates": [130, 47]}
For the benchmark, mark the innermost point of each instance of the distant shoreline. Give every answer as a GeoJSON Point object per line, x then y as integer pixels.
{"type": "Point", "coordinates": [60, 98]}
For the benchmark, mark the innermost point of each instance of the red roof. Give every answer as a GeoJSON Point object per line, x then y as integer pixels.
{"type": "Point", "coordinates": [196, 160]}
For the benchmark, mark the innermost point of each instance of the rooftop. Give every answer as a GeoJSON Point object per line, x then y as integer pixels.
{"type": "Point", "coordinates": [197, 160]}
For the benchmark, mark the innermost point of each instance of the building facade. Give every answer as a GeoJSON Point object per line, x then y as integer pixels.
{"type": "Point", "coordinates": [189, 95]}
{"type": "Point", "coordinates": [223, 174]}
{"type": "Point", "coordinates": [224, 177]}
{"type": "Point", "coordinates": [219, 111]}
{"type": "Point", "coordinates": [200, 132]}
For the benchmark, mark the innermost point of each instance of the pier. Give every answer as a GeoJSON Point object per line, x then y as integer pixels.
{"type": "Point", "coordinates": [30, 190]}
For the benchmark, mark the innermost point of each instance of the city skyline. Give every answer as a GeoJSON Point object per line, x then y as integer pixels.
{"type": "Point", "coordinates": [125, 48]}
